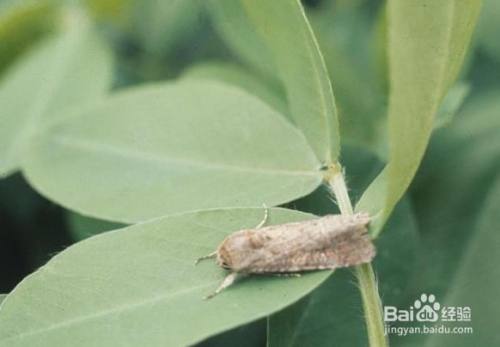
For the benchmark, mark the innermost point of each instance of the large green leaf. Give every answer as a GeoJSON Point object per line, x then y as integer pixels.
{"type": "Point", "coordinates": [449, 194]}
{"type": "Point", "coordinates": [457, 261]}
{"type": "Point", "coordinates": [284, 27]}
{"type": "Point", "coordinates": [427, 44]}
{"type": "Point", "coordinates": [248, 335]}
{"type": "Point", "coordinates": [173, 147]}
{"type": "Point", "coordinates": [478, 272]}
{"type": "Point", "coordinates": [2, 297]}
{"type": "Point", "coordinates": [330, 315]}
{"type": "Point", "coordinates": [449, 198]}
{"type": "Point", "coordinates": [82, 227]}
{"type": "Point", "coordinates": [238, 76]}
{"type": "Point", "coordinates": [140, 286]}
{"type": "Point", "coordinates": [233, 25]}
{"type": "Point", "coordinates": [65, 71]}
{"type": "Point", "coordinates": [348, 32]}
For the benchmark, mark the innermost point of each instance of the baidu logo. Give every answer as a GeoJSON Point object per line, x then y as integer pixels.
{"type": "Point", "coordinates": [426, 309]}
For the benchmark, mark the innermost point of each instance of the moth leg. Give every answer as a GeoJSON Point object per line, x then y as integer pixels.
{"type": "Point", "coordinates": [229, 280]}
{"type": "Point", "coordinates": [266, 217]}
{"type": "Point", "coordinates": [208, 256]}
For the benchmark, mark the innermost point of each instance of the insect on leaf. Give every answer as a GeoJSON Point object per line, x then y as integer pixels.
{"type": "Point", "coordinates": [331, 311]}
{"type": "Point", "coordinates": [143, 279]}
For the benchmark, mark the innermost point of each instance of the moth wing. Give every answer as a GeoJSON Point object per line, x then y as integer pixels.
{"type": "Point", "coordinates": [297, 252]}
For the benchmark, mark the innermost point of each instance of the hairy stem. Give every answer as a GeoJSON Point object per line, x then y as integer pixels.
{"type": "Point", "coordinates": [372, 305]}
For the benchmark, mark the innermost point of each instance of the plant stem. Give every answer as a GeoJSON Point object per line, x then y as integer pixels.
{"type": "Point", "coordinates": [339, 188]}
{"type": "Point", "coordinates": [372, 305]}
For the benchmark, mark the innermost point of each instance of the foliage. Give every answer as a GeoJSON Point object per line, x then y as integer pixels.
{"type": "Point", "coordinates": [182, 118]}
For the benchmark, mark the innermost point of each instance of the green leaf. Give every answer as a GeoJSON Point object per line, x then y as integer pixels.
{"type": "Point", "coordinates": [447, 219]}
{"type": "Point", "coordinates": [248, 335]}
{"type": "Point", "coordinates": [156, 26]}
{"type": "Point", "coordinates": [449, 198]}
{"type": "Point", "coordinates": [82, 227]}
{"type": "Point", "coordinates": [237, 76]}
{"type": "Point", "coordinates": [22, 23]}
{"type": "Point", "coordinates": [162, 24]}
{"type": "Point", "coordinates": [64, 72]}
{"type": "Point", "coordinates": [2, 297]}
{"type": "Point", "coordinates": [451, 103]}
{"type": "Point", "coordinates": [427, 44]}
{"type": "Point", "coordinates": [488, 28]}
{"type": "Point", "coordinates": [172, 147]}
{"type": "Point", "coordinates": [332, 311]}
{"type": "Point", "coordinates": [139, 286]}
{"type": "Point", "coordinates": [347, 33]}
{"type": "Point", "coordinates": [478, 120]}
{"type": "Point", "coordinates": [236, 29]}
{"type": "Point", "coordinates": [284, 27]}
{"type": "Point", "coordinates": [361, 167]}
{"type": "Point", "coordinates": [478, 273]}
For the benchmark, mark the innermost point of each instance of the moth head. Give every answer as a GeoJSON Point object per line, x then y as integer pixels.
{"type": "Point", "coordinates": [223, 258]}
{"type": "Point", "coordinates": [233, 251]}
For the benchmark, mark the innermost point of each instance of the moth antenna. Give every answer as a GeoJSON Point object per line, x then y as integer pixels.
{"type": "Point", "coordinates": [331, 197]}
{"type": "Point", "coordinates": [266, 217]}
{"type": "Point", "coordinates": [229, 280]}
{"type": "Point", "coordinates": [208, 256]}
{"type": "Point", "coordinates": [330, 193]}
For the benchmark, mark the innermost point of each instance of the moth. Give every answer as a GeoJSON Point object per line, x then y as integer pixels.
{"type": "Point", "coordinates": [328, 242]}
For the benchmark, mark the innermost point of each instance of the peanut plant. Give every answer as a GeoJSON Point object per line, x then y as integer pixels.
{"type": "Point", "coordinates": [146, 132]}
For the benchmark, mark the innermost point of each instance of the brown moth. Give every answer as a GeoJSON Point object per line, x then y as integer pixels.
{"type": "Point", "coordinates": [327, 242]}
